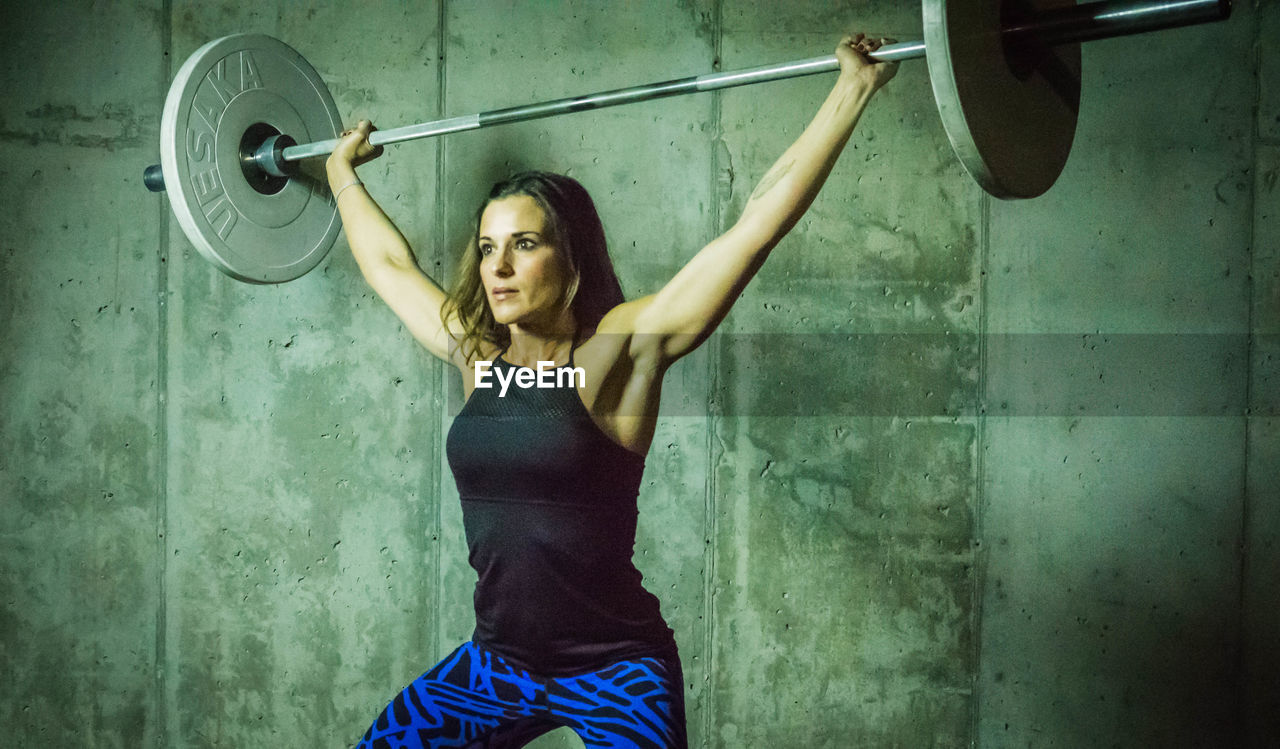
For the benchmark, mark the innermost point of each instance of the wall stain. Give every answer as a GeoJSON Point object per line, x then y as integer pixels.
{"type": "Point", "coordinates": [109, 127]}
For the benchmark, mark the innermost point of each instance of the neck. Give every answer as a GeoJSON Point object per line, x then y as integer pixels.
{"type": "Point", "coordinates": [531, 345]}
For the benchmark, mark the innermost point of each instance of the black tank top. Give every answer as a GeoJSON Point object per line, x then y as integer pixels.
{"type": "Point", "coordinates": [549, 510]}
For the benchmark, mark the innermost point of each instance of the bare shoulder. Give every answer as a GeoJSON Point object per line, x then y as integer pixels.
{"type": "Point", "coordinates": [623, 378]}
{"type": "Point", "coordinates": [624, 317]}
{"type": "Point", "coordinates": [622, 332]}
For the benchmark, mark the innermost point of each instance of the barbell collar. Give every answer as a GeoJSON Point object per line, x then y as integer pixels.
{"type": "Point", "coordinates": [269, 157]}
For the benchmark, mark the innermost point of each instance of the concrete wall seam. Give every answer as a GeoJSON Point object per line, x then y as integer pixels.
{"type": "Point", "coordinates": [1242, 706]}
{"type": "Point", "coordinates": [442, 382]}
{"type": "Point", "coordinates": [710, 487]}
{"type": "Point", "coordinates": [979, 470]}
{"type": "Point", "coordinates": [160, 737]}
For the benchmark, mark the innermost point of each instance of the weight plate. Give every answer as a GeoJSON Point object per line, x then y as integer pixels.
{"type": "Point", "coordinates": [1009, 110]}
{"type": "Point", "coordinates": [227, 98]}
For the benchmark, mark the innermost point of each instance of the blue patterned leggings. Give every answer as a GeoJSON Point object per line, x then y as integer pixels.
{"type": "Point", "coordinates": [475, 699]}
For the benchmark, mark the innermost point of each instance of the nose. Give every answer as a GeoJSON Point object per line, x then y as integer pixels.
{"type": "Point", "coordinates": [500, 263]}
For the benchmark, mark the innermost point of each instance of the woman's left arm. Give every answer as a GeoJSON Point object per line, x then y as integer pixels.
{"type": "Point", "coordinates": [679, 317]}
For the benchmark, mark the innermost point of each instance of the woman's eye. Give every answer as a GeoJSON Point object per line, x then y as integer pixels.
{"type": "Point", "coordinates": [525, 244]}
{"type": "Point", "coordinates": [485, 250]}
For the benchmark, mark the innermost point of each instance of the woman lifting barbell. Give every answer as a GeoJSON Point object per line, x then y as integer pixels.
{"type": "Point", "coordinates": [566, 635]}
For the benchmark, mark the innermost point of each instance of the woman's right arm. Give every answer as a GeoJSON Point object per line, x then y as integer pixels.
{"type": "Point", "coordinates": [381, 251]}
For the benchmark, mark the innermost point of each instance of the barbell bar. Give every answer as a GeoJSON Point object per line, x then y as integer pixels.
{"type": "Point", "coordinates": [1074, 23]}
{"type": "Point", "coordinates": [1005, 76]}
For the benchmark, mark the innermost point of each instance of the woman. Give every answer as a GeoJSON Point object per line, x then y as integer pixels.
{"type": "Point", "coordinates": [565, 633]}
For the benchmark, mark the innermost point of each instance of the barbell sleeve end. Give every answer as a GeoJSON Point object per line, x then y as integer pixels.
{"type": "Point", "coordinates": [153, 178]}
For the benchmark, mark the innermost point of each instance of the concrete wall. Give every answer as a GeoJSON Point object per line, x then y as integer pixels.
{"type": "Point", "coordinates": [1115, 454]}
{"type": "Point", "coordinates": [82, 387]}
{"type": "Point", "coordinates": [955, 472]}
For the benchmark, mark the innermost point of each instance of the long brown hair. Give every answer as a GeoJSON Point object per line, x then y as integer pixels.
{"type": "Point", "coordinates": [573, 228]}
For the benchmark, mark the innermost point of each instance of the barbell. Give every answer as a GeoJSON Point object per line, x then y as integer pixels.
{"type": "Point", "coordinates": [240, 111]}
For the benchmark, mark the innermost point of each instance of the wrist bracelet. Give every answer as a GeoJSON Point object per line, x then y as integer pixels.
{"type": "Point", "coordinates": [352, 183]}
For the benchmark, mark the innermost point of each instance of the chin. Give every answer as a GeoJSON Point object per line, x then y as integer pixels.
{"type": "Point", "coordinates": [501, 316]}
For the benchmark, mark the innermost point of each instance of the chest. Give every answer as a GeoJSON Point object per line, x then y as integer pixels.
{"type": "Point", "coordinates": [620, 394]}
{"type": "Point", "coordinates": [537, 446]}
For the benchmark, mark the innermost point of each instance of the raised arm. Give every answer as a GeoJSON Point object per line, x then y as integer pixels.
{"type": "Point", "coordinates": [688, 308]}
{"type": "Point", "coordinates": [381, 251]}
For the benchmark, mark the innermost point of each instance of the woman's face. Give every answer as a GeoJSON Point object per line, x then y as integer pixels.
{"type": "Point", "coordinates": [523, 274]}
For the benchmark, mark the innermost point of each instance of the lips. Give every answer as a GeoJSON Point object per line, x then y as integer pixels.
{"type": "Point", "coordinates": [502, 292]}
